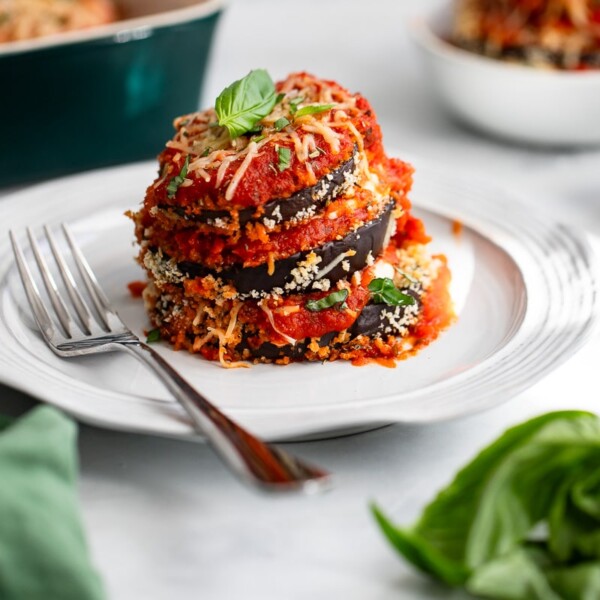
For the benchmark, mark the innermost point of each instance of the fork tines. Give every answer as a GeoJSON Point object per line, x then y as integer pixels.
{"type": "Point", "coordinates": [77, 309]}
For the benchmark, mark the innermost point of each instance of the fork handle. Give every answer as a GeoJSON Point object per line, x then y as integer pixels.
{"type": "Point", "coordinates": [250, 458]}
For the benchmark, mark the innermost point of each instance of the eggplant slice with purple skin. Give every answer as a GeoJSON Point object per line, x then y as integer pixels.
{"type": "Point", "coordinates": [305, 202]}
{"type": "Point", "coordinates": [366, 241]}
{"type": "Point", "coordinates": [374, 320]}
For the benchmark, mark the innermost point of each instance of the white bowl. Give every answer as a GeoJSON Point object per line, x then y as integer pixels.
{"type": "Point", "coordinates": [542, 107]}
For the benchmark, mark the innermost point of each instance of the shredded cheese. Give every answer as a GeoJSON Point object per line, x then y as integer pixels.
{"type": "Point", "coordinates": [335, 262]}
{"type": "Point", "coordinates": [235, 180]}
{"type": "Point", "coordinates": [269, 313]}
{"type": "Point", "coordinates": [287, 310]}
{"type": "Point", "coordinates": [233, 320]}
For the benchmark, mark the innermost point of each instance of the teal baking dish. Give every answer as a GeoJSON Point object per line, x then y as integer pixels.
{"type": "Point", "coordinates": [102, 96]}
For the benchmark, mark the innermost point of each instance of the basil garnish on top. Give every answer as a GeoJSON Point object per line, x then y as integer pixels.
{"type": "Point", "coordinates": [327, 302]}
{"type": "Point", "coordinates": [285, 156]}
{"type": "Point", "coordinates": [245, 102]}
{"type": "Point", "coordinates": [281, 123]}
{"type": "Point", "coordinates": [178, 179]}
{"type": "Point", "coordinates": [383, 291]}
{"type": "Point", "coordinates": [294, 104]}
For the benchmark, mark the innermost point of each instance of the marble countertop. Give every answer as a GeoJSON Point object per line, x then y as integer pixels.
{"type": "Point", "coordinates": [165, 520]}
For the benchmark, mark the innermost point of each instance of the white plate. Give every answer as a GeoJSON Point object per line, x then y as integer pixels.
{"type": "Point", "coordinates": [525, 289]}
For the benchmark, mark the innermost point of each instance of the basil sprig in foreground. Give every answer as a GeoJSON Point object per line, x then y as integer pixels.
{"type": "Point", "coordinates": [245, 102]}
{"type": "Point", "coordinates": [543, 475]}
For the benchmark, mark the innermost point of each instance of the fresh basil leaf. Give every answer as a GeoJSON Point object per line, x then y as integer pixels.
{"type": "Point", "coordinates": [284, 156]}
{"type": "Point", "coordinates": [327, 302]}
{"type": "Point", "coordinates": [530, 463]}
{"type": "Point", "coordinates": [574, 528]}
{"type": "Point", "coordinates": [586, 494]}
{"type": "Point", "coordinates": [281, 123]}
{"type": "Point", "coordinates": [579, 582]}
{"type": "Point", "coordinates": [383, 291]}
{"type": "Point", "coordinates": [153, 336]}
{"type": "Point", "coordinates": [178, 179]}
{"type": "Point", "coordinates": [312, 110]}
{"type": "Point", "coordinates": [420, 553]}
{"type": "Point", "coordinates": [294, 104]}
{"type": "Point", "coordinates": [245, 102]}
{"type": "Point", "coordinates": [518, 575]}
{"type": "Point", "coordinates": [492, 505]}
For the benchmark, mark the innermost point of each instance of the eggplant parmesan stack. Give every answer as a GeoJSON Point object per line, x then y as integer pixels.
{"type": "Point", "coordinates": [278, 230]}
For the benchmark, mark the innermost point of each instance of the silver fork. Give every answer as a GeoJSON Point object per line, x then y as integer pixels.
{"type": "Point", "coordinates": [98, 328]}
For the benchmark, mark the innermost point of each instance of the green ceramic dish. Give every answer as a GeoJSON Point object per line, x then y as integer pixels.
{"type": "Point", "coordinates": [102, 96]}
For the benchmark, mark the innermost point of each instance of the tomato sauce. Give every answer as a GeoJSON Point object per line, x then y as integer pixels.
{"type": "Point", "coordinates": [136, 288]}
{"type": "Point", "coordinates": [216, 251]}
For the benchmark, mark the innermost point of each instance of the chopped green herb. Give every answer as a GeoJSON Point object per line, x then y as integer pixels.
{"type": "Point", "coordinates": [313, 110]}
{"type": "Point", "coordinates": [294, 104]}
{"type": "Point", "coordinates": [245, 102]}
{"type": "Point", "coordinates": [279, 98]}
{"type": "Point", "coordinates": [153, 336]}
{"type": "Point", "coordinates": [285, 157]}
{"type": "Point", "coordinates": [206, 152]}
{"type": "Point", "coordinates": [327, 302]}
{"type": "Point", "coordinates": [384, 291]}
{"type": "Point", "coordinates": [281, 123]}
{"type": "Point", "coordinates": [178, 179]}
{"type": "Point", "coordinates": [258, 138]}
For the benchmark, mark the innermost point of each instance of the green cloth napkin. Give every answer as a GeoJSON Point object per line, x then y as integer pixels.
{"type": "Point", "coordinates": [43, 554]}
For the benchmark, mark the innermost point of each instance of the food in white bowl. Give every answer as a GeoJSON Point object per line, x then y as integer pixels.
{"type": "Point", "coordinates": [550, 34]}
{"type": "Point", "coordinates": [506, 99]}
